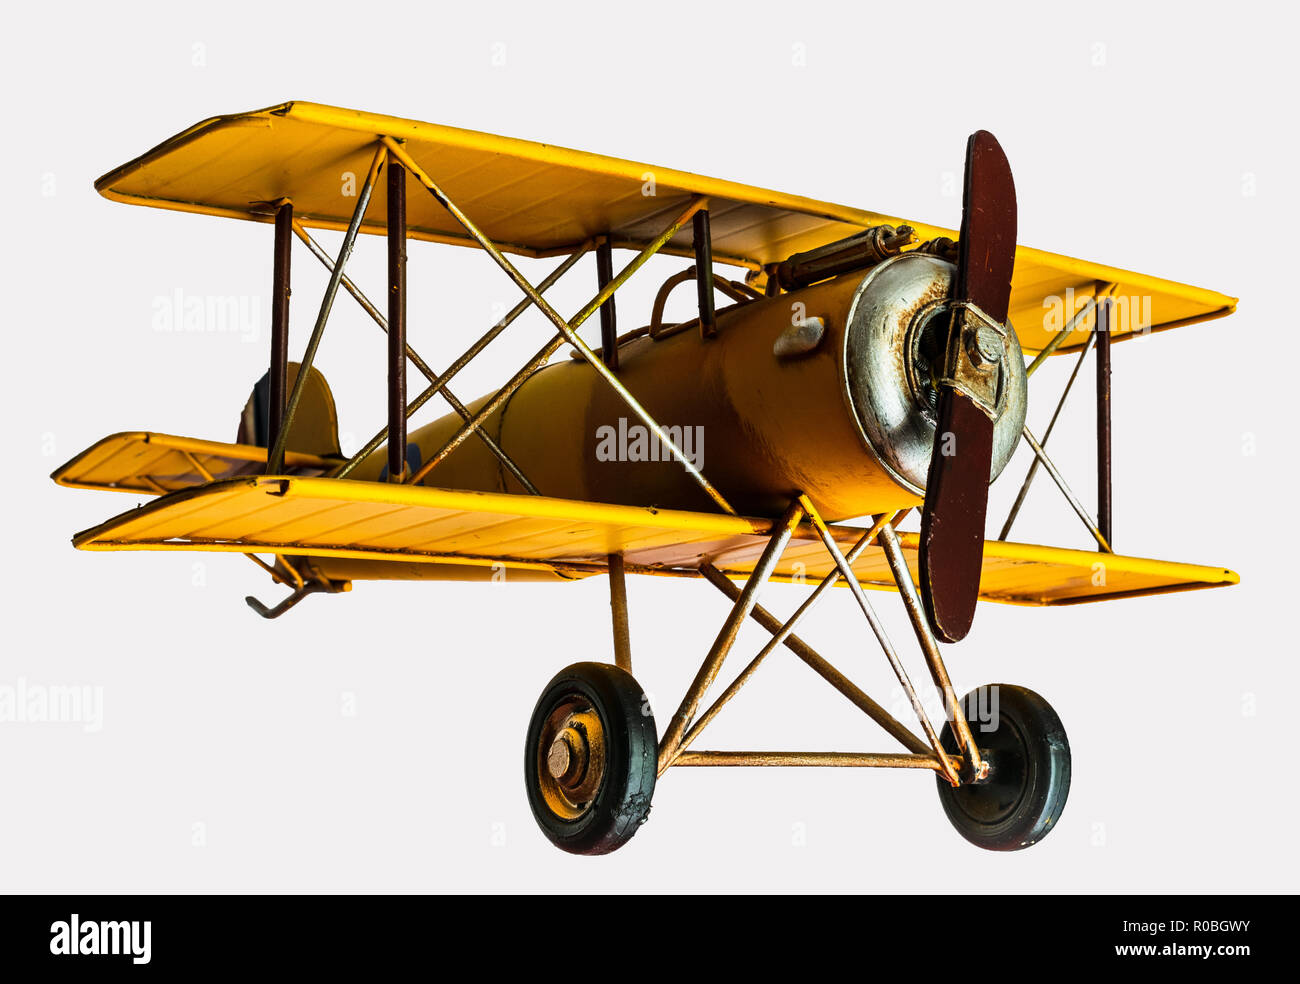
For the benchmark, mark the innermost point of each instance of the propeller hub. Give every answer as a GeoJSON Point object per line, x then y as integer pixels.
{"type": "Point", "coordinates": [895, 355]}
{"type": "Point", "coordinates": [987, 346]}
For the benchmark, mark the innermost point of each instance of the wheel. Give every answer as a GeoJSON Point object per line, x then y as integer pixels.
{"type": "Point", "coordinates": [1029, 769]}
{"type": "Point", "coordinates": [590, 759]}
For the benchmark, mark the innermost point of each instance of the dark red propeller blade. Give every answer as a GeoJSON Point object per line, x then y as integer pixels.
{"type": "Point", "coordinates": [956, 494]}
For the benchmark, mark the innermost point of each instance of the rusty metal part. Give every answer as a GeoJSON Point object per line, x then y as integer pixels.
{"type": "Point", "coordinates": [571, 758]}
{"type": "Point", "coordinates": [396, 322]}
{"type": "Point", "coordinates": [877, 629]}
{"type": "Point", "coordinates": [857, 252]}
{"type": "Point", "coordinates": [956, 499]}
{"type": "Point", "coordinates": [465, 358]}
{"type": "Point", "coordinates": [821, 666]}
{"type": "Point", "coordinates": [1102, 333]}
{"type": "Point", "coordinates": [770, 286]}
{"type": "Point", "coordinates": [942, 247]}
{"type": "Point", "coordinates": [618, 608]}
{"type": "Point", "coordinates": [703, 243]}
{"type": "Point", "coordinates": [657, 329]}
{"type": "Point", "coordinates": [608, 318]}
{"type": "Point", "coordinates": [1066, 491]}
{"type": "Point", "coordinates": [281, 571]}
{"type": "Point", "coordinates": [737, 290]}
{"type": "Point", "coordinates": [930, 648]}
{"type": "Point", "coordinates": [855, 760]}
{"type": "Point", "coordinates": [275, 457]}
{"type": "Point", "coordinates": [979, 350]}
{"type": "Point", "coordinates": [280, 290]}
{"type": "Point", "coordinates": [283, 563]}
{"type": "Point", "coordinates": [1033, 465]}
{"type": "Point", "coordinates": [311, 587]}
{"type": "Point", "coordinates": [726, 638]}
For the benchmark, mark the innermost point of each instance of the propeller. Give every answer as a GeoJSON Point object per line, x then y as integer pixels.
{"type": "Point", "coordinates": [957, 486]}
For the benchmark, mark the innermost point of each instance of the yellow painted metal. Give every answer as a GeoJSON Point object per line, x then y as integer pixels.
{"type": "Point", "coordinates": [1012, 573]}
{"type": "Point", "coordinates": [774, 427]}
{"type": "Point", "coordinates": [153, 464]}
{"type": "Point", "coordinates": [536, 199]}
{"type": "Point", "coordinates": [314, 427]}
{"type": "Point", "coordinates": [373, 520]}
{"type": "Point", "coordinates": [349, 526]}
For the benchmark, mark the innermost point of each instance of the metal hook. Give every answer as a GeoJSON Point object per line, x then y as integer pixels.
{"type": "Point", "coordinates": [312, 587]}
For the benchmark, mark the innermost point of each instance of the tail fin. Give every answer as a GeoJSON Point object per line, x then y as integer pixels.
{"type": "Point", "coordinates": [315, 427]}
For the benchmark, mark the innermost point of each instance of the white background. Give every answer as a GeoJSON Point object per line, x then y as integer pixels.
{"type": "Point", "coordinates": [227, 760]}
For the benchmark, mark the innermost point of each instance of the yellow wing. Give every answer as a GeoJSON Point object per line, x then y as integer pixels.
{"type": "Point", "coordinates": [371, 521]}
{"type": "Point", "coordinates": [154, 464]}
{"type": "Point", "coordinates": [535, 199]}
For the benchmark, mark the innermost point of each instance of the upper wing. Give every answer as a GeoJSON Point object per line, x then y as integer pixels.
{"type": "Point", "coordinates": [375, 521]}
{"type": "Point", "coordinates": [534, 199]}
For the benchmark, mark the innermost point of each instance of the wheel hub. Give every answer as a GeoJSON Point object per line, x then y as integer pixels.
{"type": "Point", "coordinates": [571, 753]}
{"type": "Point", "coordinates": [559, 760]}
{"type": "Point", "coordinates": [998, 794]}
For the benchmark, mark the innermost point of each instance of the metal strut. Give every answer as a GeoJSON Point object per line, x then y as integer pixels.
{"type": "Point", "coordinates": [1100, 336]}
{"type": "Point", "coordinates": [1051, 424]}
{"type": "Point", "coordinates": [969, 766]}
{"type": "Point", "coordinates": [396, 322]}
{"type": "Point", "coordinates": [846, 570]}
{"type": "Point", "coordinates": [438, 384]}
{"type": "Point", "coordinates": [608, 313]}
{"type": "Point", "coordinates": [568, 330]}
{"type": "Point", "coordinates": [704, 273]}
{"type": "Point", "coordinates": [275, 457]}
{"type": "Point", "coordinates": [1103, 290]}
{"type": "Point", "coordinates": [740, 610]}
{"type": "Point", "coordinates": [781, 635]}
{"type": "Point", "coordinates": [978, 769]}
{"type": "Point", "coordinates": [550, 348]}
{"type": "Point", "coordinates": [822, 667]}
{"type": "Point", "coordinates": [618, 608]}
{"type": "Point", "coordinates": [1066, 491]}
{"type": "Point", "coordinates": [1101, 332]}
{"type": "Point", "coordinates": [279, 324]}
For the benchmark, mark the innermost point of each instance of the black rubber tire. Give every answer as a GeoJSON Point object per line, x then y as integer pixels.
{"type": "Point", "coordinates": [622, 801]}
{"type": "Point", "coordinates": [1029, 780]}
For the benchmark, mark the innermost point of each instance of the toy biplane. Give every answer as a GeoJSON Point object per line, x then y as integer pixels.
{"type": "Point", "coordinates": [855, 366]}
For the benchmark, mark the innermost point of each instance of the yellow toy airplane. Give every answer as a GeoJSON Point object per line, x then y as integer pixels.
{"type": "Point", "coordinates": [863, 366]}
